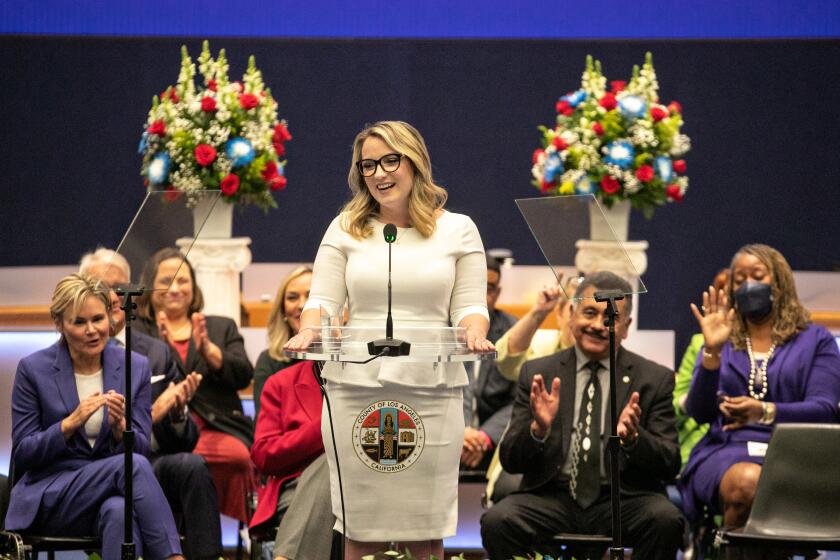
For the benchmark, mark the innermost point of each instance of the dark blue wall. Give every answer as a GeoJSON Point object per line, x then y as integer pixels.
{"type": "Point", "coordinates": [763, 117]}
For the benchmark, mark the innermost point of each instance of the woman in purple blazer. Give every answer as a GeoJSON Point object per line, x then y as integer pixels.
{"type": "Point", "coordinates": [763, 362]}
{"type": "Point", "coordinates": [67, 433]}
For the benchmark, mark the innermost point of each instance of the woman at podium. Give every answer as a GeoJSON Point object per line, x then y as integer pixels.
{"type": "Point", "coordinates": [398, 426]}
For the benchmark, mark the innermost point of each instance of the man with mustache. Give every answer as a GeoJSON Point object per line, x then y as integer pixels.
{"type": "Point", "coordinates": [558, 434]}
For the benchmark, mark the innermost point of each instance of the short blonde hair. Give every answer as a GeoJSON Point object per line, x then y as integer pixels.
{"type": "Point", "coordinates": [278, 329]}
{"type": "Point", "coordinates": [71, 292]}
{"type": "Point", "coordinates": [426, 197]}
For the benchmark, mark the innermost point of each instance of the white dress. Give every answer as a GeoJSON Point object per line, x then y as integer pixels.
{"type": "Point", "coordinates": [399, 426]}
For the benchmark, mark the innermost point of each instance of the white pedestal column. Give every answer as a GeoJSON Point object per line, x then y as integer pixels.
{"type": "Point", "coordinates": [593, 256]}
{"type": "Point", "coordinates": [217, 264]}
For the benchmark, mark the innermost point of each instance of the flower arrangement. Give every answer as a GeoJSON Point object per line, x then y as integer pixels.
{"type": "Point", "coordinates": [222, 135]}
{"type": "Point", "coordinates": [617, 144]}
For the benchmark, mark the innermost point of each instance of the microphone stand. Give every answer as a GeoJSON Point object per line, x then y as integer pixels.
{"type": "Point", "coordinates": [389, 346]}
{"type": "Point", "coordinates": [128, 546]}
{"type": "Point", "coordinates": [614, 442]}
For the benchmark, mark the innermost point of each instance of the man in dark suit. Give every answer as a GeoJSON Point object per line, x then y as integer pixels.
{"type": "Point", "coordinates": [183, 476]}
{"type": "Point", "coordinates": [558, 434]}
{"type": "Point", "coordinates": [488, 399]}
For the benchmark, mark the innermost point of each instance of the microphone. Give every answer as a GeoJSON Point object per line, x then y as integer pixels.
{"type": "Point", "coordinates": [389, 346]}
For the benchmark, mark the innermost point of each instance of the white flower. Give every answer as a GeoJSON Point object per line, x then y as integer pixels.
{"type": "Point", "coordinates": [680, 145]}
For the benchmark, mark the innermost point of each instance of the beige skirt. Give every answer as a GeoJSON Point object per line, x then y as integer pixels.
{"type": "Point", "coordinates": [398, 449]}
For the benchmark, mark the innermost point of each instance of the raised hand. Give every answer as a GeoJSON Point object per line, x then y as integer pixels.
{"type": "Point", "coordinates": [547, 299]}
{"type": "Point", "coordinates": [741, 410]}
{"type": "Point", "coordinates": [81, 414]}
{"type": "Point", "coordinates": [628, 421]}
{"type": "Point", "coordinates": [715, 320]}
{"type": "Point", "coordinates": [544, 405]}
{"type": "Point", "coordinates": [116, 413]}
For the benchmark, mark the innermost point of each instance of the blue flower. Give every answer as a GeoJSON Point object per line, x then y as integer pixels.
{"type": "Point", "coordinates": [664, 168]}
{"type": "Point", "coordinates": [159, 169]}
{"type": "Point", "coordinates": [632, 106]}
{"type": "Point", "coordinates": [239, 151]}
{"type": "Point", "coordinates": [584, 186]}
{"type": "Point", "coordinates": [144, 141]}
{"type": "Point", "coordinates": [553, 167]}
{"type": "Point", "coordinates": [575, 98]}
{"type": "Point", "coordinates": [620, 153]}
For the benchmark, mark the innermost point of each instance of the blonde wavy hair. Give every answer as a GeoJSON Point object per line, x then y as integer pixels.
{"type": "Point", "coordinates": [426, 197]}
{"type": "Point", "coordinates": [278, 329]}
{"type": "Point", "coordinates": [788, 315]}
{"type": "Point", "coordinates": [71, 292]}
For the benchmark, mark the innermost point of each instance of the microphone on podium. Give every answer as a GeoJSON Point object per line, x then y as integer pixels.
{"type": "Point", "coordinates": [389, 346]}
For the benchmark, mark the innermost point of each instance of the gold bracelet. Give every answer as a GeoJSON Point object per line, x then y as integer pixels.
{"type": "Point", "coordinates": [768, 413]}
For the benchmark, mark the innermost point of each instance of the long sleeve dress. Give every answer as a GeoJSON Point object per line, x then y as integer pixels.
{"type": "Point", "coordinates": [803, 379]}
{"type": "Point", "coordinates": [398, 426]}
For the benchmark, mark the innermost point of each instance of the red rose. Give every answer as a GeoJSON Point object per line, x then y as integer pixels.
{"type": "Point", "coordinates": [280, 148]}
{"type": "Point", "coordinates": [675, 107]}
{"type": "Point", "coordinates": [657, 114]}
{"type": "Point", "coordinates": [564, 108]}
{"type": "Point", "coordinates": [205, 154]}
{"type": "Point", "coordinates": [170, 194]}
{"type": "Point", "coordinates": [211, 85]}
{"type": "Point", "coordinates": [545, 186]}
{"type": "Point", "coordinates": [679, 166]}
{"type": "Point", "coordinates": [269, 172]}
{"type": "Point", "coordinates": [170, 93]}
{"type": "Point", "coordinates": [610, 185]}
{"type": "Point", "coordinates": [281, 133]}
{"type": "Point", "coordinates": [158, 128]}
{"type": "Point", "coordinates": [644, 173]}
{"type": "Point", "coordinates": [598, 129]}
{"type": "Point", "coordinates": [536, 157]}
{"type": "Point", "coordinates": [608, 102]}
{"type": "Point", "coordinates": [278, 183]}
{"type": "Point", "coordinates": [230, 185]}
{"type": "Point", "coordinates": [559, 144]}
{"type": "Point", "coordinates": [208, 104]}
{"type": "Point", "coordinates": [673, 192]}
{"type": "Point", "coordinates": [248, 101]}
{"type": "Point", "coordinates": [618, 85]}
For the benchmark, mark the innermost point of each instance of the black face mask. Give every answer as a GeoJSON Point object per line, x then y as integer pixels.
{"type": "Point", "coordinates": [754, 300]}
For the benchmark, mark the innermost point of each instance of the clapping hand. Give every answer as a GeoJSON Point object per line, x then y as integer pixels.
{"type": "Point", "coordinates": [81, 414]}
{"type": "Point", "coordinates": [715, 318]}
{"type": "Point", "coordinates": [165, 329]}
{"type": "Point", "coordinates": [203, 345]}
{"type": "Point", "coordinates": [116, 413]}
{"type": "Point", "coordinates": [628, 421]}
{"type": "Point", "coordinates": [544, 405]}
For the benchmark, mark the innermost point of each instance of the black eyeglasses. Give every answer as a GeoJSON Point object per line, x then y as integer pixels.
{"type": "Point", "coordinates": [389, 163]}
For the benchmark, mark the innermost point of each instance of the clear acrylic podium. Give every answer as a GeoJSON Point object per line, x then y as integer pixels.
{"type": "Point", "coordinates": [428, 344]}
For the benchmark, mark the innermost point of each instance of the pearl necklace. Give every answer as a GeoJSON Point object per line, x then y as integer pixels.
{"type": "Point", "coordinates": [757, 373]}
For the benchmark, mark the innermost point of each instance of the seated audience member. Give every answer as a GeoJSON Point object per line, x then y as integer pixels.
{"type": "Point", "coordinates": [522, 342]}
{"type": "Point", "coordinates": [289, 450]}
{"type": "Point", "coordinates": [558, 435]}
{"type": "Point", "coordinates": [488, 397]}
{"type": "Point", "coordinates": [763, 363]}
{"type": "Point", "coordinates": [283, 323]}
{"type": "Point", "coordinates": [212, 347]}
{"type": "Point", "coordinates": [68, 419]}
{"type": "Point", "coordinates": [183, 476]}
{"type": "Point", "coordinates": [688, 430]}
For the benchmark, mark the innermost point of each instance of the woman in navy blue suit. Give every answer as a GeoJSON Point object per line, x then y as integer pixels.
{"type": "Point", "coordinates": [68, 421]}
